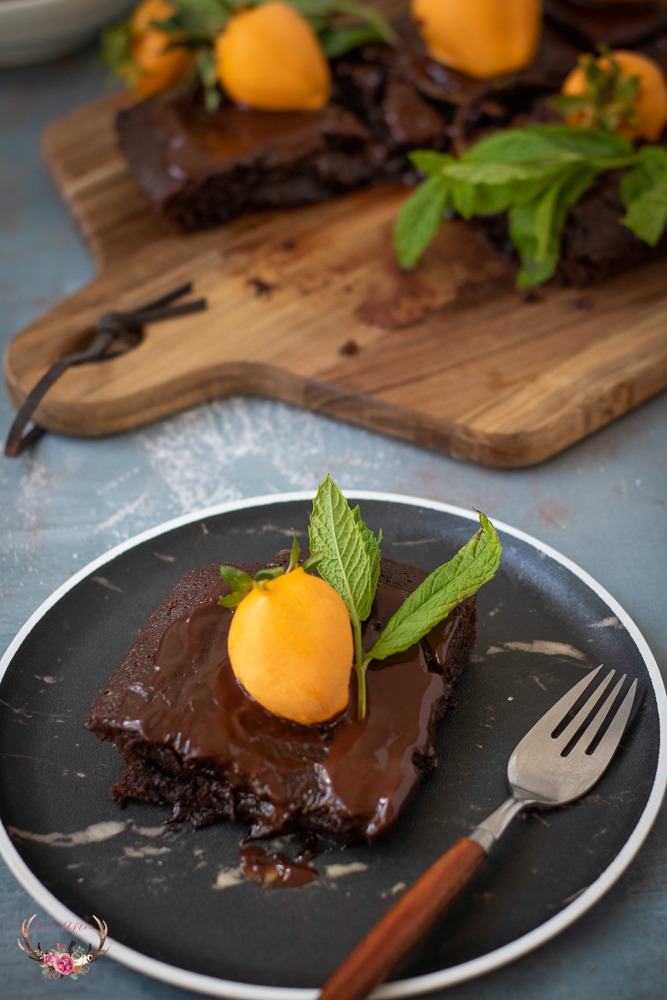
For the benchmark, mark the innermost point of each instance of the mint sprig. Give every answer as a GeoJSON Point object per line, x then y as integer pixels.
{"type": "Point", "coordinates": [534, 175]}
{"type": "Point", "coordinates": [242, 583]}
{"type": "Point", "coordinates": [340, 24]}
{"type": "Point", "coordinates": [343, 25]}
{"type": "Point", "coordinates": [644, 194]}
{"type": "Point", "coordinates": [349, 560]}
{"type": "Point", "coordinates": [438, 595]}
{"type": "Point", "coordinates": [609, 99]}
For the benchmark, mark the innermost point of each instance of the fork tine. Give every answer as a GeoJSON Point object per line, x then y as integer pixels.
{"type": "Point", "coordinates": [606, 748]}
{"type": "Point", "coordinates": [580, 718]}
{"type": "Point", "coordinates": [557, 712]}
{"type": "Point", "coordinates": [590, 733]}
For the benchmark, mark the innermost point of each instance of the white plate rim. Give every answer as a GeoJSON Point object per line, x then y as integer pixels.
{"type": "Point", "coordinates": [472, 969]}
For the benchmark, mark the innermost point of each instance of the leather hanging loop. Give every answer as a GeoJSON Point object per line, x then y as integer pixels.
{"type": "Point", "coordinates": [110, 327]}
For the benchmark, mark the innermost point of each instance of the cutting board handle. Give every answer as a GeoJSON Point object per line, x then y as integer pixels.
{"type": "Point", "coordinates": [113, 327]}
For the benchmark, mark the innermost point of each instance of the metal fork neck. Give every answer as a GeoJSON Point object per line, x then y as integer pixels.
{"type": "Point", "coordinates": [493, 827]}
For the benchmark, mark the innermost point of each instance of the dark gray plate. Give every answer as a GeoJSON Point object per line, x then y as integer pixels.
{"type": "Point", "coordinates": [173, 900]}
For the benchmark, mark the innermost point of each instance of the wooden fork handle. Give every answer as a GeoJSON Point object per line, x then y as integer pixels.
{"type": "Point", "coordinates": [404, 925]}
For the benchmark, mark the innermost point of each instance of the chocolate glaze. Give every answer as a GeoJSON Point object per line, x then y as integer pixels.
{"type": "Point", "coordinates": [192, 737]}
{"type": "Point", "coordinates": [200, 169]}
{"type": "Point", "coordinates": [273, 869]}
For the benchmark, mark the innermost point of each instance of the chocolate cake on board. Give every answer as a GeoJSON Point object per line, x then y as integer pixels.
{"type": "Point", "coordinates": [193, 740]}
{"type": "Point", "coordinates": [200, 168]}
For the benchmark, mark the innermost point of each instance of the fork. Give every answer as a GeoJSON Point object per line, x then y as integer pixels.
{"type": "Point", "coordinates": [556, 762]}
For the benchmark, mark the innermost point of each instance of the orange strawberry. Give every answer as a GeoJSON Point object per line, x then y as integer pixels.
{"type": "Point", "coordinates": [269, 57]}
{"type": "Point", "coordinates": [624, 92]}
{"type": "Point", "coordinates": [290, 646]}
{"type": "Point", "coordinates": [483, 38]}
{"type": "Point", "coordinates": [154, 66]}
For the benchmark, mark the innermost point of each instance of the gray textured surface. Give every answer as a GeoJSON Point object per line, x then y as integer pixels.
{"type": "Point", "coordinates": [602, 504]}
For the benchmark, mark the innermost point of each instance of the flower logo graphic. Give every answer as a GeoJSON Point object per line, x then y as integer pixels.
{"type": "Point", "coordinates": [70, 960]}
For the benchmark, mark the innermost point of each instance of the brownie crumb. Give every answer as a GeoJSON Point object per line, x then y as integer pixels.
{"type": "Point", "coordinates": [581, 302]}
{"type": "Point", "coordinates": [260, 286]}
{"type": "Point", "coordinates": [349, 347]}
{"type": "Point", "coordinates": [531, 296]}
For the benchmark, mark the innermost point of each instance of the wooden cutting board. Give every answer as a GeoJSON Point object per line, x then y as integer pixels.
{"type": "Point", "coordinates": [309, 306]}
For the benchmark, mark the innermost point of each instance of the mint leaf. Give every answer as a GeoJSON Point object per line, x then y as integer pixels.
{"type": "Point", "coordinates": [343, 24]}
{"type": "Point", "coordinates": [338, 41]}
{"type": "Point", "coordinates": [203, 19]}
{"type": "Point", "coordinates": [242, 583]}
{"type": "Point", "coordinates": [445, 588]}
{"type": "Point", "coordinates": [513, 147]}
{"type": "Point", "coordinates": [346, 561]}
{"type": "Point", "coordinates": [644, 194]}
{"type": "Point", "coordinates": [420, 219]}
{"type": "Point", "coordinates": [349, 560]}
{"type": "Point", "coordinates": [492, 188]}
{"type": "Point", "coordinates": [239, 581]}
{"type": "Point", "coordinates": [116, 47]}
{"type": "Point", "coordinates": [535, 143]}
{"type": "Point", "coordinates": [534, 174]}
{"type": "Point", "coordinates": [372, 546]}
{"type": "Point", "coordinates": [430, 162]}
{"type": "Point", "coordinates": [535, 226]}
{"type": "Point", "coordinates": [367, 12]}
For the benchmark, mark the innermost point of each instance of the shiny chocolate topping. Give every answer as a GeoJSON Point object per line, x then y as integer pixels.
{"type": "Point", "coordinates": [272, 868]}
{"type": "Point", "coordinates": [362, 771]}
{"type": "Point", "coordinates": [234, 132]}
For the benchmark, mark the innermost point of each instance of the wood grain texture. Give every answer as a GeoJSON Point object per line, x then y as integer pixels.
{"type": "Point", "coordinates": [309, 306]}
{"type": "Point", "coordinates": [405, 924]}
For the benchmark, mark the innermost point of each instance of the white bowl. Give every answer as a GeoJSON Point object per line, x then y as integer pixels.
{"type": "Point", "coordinates": [34, 31]}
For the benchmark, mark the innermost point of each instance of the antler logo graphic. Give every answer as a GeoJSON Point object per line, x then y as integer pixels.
{"type": "Point", "coordinates": [71, 960]}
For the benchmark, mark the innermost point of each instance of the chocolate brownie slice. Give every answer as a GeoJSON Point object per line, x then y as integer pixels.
{"type": "Point", "coordinates": [200, 168]}
{"type": "Point", "coordinates": [193, 740]}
